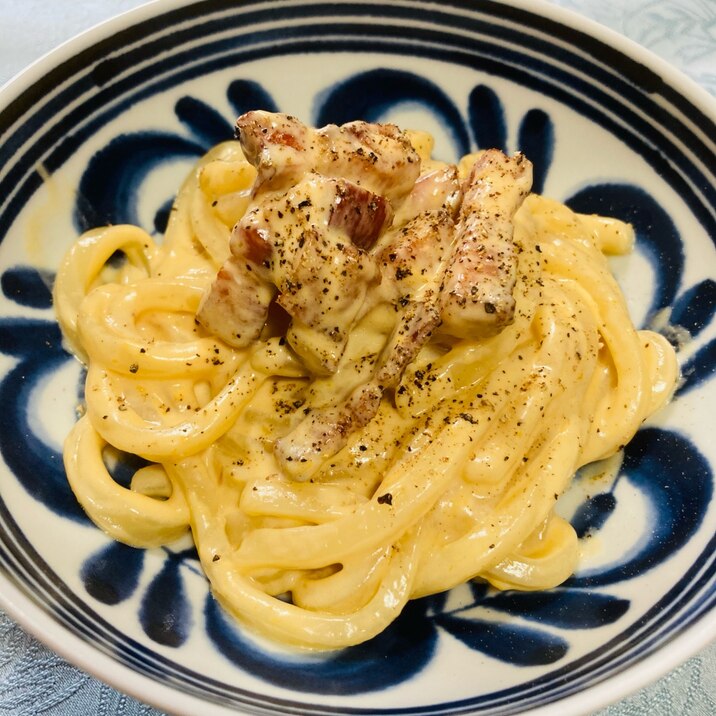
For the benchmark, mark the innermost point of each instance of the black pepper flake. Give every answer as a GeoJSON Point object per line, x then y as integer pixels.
{"type": "Point", "coordinates": [386, 499]}
{"type": "Point", "coordinates": [133, 368]}
{"type": "Point", "coordinates": [216, 558]}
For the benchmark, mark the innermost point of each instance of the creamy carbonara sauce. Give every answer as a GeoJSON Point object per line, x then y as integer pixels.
{"type": "Point", "coordinates": [454, 478]}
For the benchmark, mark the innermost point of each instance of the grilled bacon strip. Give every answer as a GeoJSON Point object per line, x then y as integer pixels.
{"type": "Point", "coordinates": [306, 249]}
{"type": "Point", "coordinates": [477, 298]}
{"type": "Point", "coordinates": [378, 157]}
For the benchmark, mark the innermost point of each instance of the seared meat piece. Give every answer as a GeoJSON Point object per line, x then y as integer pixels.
{"type": "Point", "coordinates": [236, 307]}
{"type": "Point", "coordinates": [379, 157]}
{"type": "Point", "coordinates": [438, 189]}
{"type": "Point", "coordinates": [307, 245]}
{"type": "Point", "coordinates": [477, 298]}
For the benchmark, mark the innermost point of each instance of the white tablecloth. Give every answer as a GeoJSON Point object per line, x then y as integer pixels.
{"type": "Point", "coordinates": [33, 680]}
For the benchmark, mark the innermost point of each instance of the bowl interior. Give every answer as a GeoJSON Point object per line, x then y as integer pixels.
{"type": "Point", "coordinates": [105, 131]}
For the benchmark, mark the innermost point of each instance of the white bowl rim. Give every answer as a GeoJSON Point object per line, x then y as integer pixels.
{"type": "Point", "coordinates": [82, 654]}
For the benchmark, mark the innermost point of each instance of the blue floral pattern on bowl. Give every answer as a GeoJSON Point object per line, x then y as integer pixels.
{"type": "Point", "coordinates": [149, 101]}
{"type": "Point", "coordinates": [109, 189]}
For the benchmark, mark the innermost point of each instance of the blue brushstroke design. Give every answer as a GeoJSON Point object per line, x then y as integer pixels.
{"type": "Point", "coordinates": [563, 608]}
{"type": "Point", "coordinates": [123, 468]}
{"type": "Point", "coordinates": [591, 515]}
{"type": "Point", "coordinates": [478, 590]}
{"type": "Point", "coordinates": [695, 309]}
{"type": "Point", "coordinates": [398, 653]}
{"type": "Point", "coordinates": [165, 614]}
{"type": "Point", "coordinates": [37, 465]}
{"type": "Point", "coordinates": [111, 575]}
{"type": "Point", "coordinates": [109, 188]}
{"type": "Point", "coordinates": [515, 644]}
{"type": "Point", "coordinates": [204, 122]}
{"type": "Point", "coordinates": [436, 603]}
{"type": "Point", "coordinates": [655, 231]}
{"type": "Point", "coordinates": [161, 216]}
{"type": "Point", "coordinates": [486, 117]}
{"type": "Point", "coordinates": [246, 95]}
{"type": "Point", "coordinates": [30, 338]}
{"type": "Point", "coordinates": [28, 286]}
{"type": "Point", "coordinates": [371, 95]}
{"type": "Point", "coordinates": [698, 369]}
{"type": "Point", "coordinates": [659, 464]}
{"type": "Point", "coordinates": [536, 141]}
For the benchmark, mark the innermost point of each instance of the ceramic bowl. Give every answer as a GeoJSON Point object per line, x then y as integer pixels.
{"type": "Point", "coordinates": [104, 129]}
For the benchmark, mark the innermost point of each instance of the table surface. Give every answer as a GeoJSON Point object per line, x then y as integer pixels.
{"type": "Point", "coordinates": [33, 679]}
